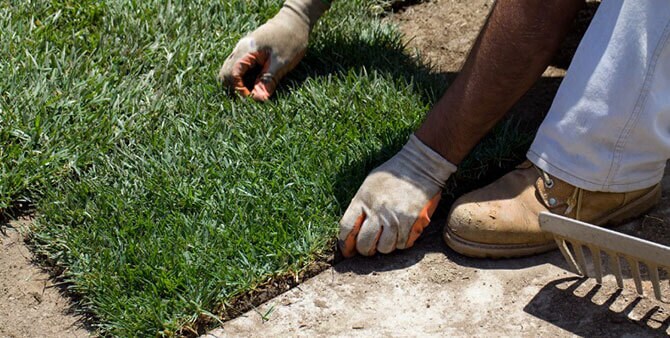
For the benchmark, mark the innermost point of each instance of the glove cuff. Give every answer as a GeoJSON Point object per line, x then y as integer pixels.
{"type": "Point", "coordinates": [308, 10]}
{"type": "Point", "coordinates": [431, 164]}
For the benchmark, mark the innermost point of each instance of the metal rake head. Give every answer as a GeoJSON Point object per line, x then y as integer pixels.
{"type": "Point", "coordinates": [614, 244]}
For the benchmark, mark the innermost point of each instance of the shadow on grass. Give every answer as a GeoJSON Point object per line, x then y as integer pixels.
{"type": "Point", "coordinates": [15, 211]}
{"type": "Point", "coordinates": [565, 308]}
{"type": "Point", "coordinates": [478, 169]}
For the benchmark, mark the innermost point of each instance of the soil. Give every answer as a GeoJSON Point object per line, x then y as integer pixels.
{"type": "Point", "coordinates": [442, 32]}
{"type": "Point", "coordinates": [31, 304]}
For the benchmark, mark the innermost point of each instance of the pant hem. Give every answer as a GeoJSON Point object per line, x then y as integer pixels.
{"type": "Point", "coordinates": [557, 171]}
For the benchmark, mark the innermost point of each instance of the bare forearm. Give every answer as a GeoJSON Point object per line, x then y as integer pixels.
{"type": "Point", "coordinates": [512, 50]}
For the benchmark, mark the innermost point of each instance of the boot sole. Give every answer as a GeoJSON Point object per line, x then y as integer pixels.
{"type": "Point", "coordinates": [483, 250]}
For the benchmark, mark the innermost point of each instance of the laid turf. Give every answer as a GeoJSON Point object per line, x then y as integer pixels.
{"type": "Point", "coordinates": [161, 195]}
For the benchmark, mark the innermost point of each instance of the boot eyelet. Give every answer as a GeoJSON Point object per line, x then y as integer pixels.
{"type": "Point", "coordinates": [552, 202]}
{"type": "Point", "coordinates": [549, 183]}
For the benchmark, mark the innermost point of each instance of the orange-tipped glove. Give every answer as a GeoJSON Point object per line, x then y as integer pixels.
{"type": "Point", "coordinates": [395, 202]}
{"type": "Point", "coordinates": [276, 47]}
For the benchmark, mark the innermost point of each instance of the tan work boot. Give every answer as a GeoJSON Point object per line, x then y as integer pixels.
{"type": "Point", "coordinates": [501, 219]}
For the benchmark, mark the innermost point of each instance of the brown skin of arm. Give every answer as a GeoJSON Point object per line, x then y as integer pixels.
{"type": "Point", "coordinates": [514, 47]}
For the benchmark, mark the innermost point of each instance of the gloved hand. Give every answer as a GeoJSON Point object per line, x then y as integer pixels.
{"type": "Point", "coordinates": [395, 202]}
{"type": "Point", "coordinates": [277, 47]}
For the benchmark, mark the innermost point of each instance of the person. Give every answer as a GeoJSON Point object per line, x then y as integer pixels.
{"type": "Point", "coordinates": [598, 156]}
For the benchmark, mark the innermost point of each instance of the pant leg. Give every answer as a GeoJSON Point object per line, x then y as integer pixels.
{"type": "Point", "coordinates": [608, 128]}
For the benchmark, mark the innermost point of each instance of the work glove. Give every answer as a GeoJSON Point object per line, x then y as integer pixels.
{"type": "Point", "coordinates": [276, 47]}
{"type": "Point", "coordinates": [395, 201]}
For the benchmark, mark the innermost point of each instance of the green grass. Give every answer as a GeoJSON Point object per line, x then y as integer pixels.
{"type": "Point", "coordinates": [161, 196]}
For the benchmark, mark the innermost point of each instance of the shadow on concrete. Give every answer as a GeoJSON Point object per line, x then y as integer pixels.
{"type": "Point", "coordinates": [563, 307]}
{"type": "Point", "coordinates": [652, 226]}
{"type": "Point", "coordinates": [431, 242]}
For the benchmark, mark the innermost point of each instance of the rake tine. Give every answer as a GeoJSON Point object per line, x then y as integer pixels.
{"type": "Point", "coordinates": [615, 245]}
{"type": "Point", "coordinates": [560, 242]}
{"type": "Point", "coordinates": [597, 263]}
{"type": "Point", "coordinates": [635, 269]}
{"type": "Point", "coordinates": [615, 265]}
{"type": "Point", "coordinates": [579, 253]}
{"type": "Point", "coordinates": [653, 274]}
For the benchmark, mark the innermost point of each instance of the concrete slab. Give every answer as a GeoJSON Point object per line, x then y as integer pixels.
{"type": "Point", "coordinates": [432, 291]}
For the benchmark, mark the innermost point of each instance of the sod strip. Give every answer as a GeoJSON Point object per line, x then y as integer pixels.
{"type": "Point", "coordinates": [160, 195]}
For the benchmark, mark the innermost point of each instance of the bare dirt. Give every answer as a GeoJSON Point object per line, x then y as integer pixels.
{"type": "Point", "coordinates": [31, 305]}
{"type": "Point", "coordinates": [442, 32]}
